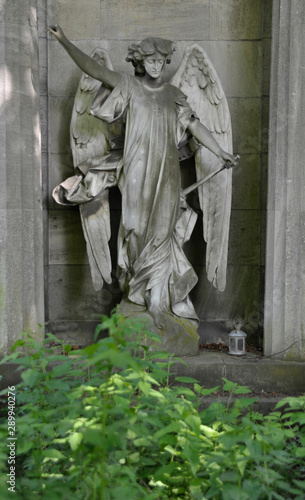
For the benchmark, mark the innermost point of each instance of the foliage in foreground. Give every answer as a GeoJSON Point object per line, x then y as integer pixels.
{"type": "Point", "coordinates": [107, 422]}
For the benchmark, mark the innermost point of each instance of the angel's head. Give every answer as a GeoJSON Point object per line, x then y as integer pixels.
{"type": "Point", "coordinates": [148, 52]}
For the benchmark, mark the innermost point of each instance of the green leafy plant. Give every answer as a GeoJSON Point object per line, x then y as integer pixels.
{"type": "Point", "coordinates": [108, 421]}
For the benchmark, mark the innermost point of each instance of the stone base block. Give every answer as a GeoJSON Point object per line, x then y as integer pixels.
{"type": "Point", "coordinates": [178, 335]}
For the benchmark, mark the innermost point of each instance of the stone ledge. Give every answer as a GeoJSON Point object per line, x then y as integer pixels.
{"type": "Point", "coordinates": [9, 375]}
{"type": "Point", "coordinates": [264, 405]}
{"type": "Point", "coordinates": [261, 375]}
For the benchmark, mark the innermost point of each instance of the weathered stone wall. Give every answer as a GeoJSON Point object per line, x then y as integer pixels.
{"type": "Point", "coordinates": [284, 301]}
{"type": "Point", "coordinates": [236, 35]}
{"type": "Point", "coordinates": [21, 246]}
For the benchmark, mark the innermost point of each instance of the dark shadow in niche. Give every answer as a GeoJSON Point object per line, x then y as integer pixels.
{"type": "Point", "coordinates": [115, 201]}
{"type": "Point", "coordinates": [195, 248]}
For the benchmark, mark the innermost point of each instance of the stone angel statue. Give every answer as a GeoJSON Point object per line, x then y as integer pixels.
{"type": "Point", "coordinates": [132, 131]}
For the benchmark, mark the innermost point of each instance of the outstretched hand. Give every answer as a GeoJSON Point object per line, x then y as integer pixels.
{"type": "Point", "coordinates": [57, 32]}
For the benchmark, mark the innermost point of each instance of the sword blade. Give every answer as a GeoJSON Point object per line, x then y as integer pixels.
{"type": "Point", "coordinates": [191, 188]}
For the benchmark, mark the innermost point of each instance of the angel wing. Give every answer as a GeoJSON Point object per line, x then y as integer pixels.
{"type": "Point", "coordinates": [197, 78]}
{"type": "Point", "coordinates": [89, 136]}
{"type": "Point", "coordinates": [90, 140]}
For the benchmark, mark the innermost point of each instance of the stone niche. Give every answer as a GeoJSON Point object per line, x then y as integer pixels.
{"type": "Point", "coordinates": [236, 35]}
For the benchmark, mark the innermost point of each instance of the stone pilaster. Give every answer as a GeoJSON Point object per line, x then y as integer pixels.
{"type": "Point", "coordinates": [285, 259]}
{"type": "Point", "coordinates": [21, 243]}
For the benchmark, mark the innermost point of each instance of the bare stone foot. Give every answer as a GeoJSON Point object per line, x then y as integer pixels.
{"type": "Point", "coordinates": [157, 315]}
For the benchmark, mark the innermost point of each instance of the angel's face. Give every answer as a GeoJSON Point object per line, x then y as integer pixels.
{"type": "Point", "coordinates": [154, 65]}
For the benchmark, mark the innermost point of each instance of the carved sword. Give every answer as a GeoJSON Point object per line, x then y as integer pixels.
{"type": "Point", "coordinates": [191, 188]}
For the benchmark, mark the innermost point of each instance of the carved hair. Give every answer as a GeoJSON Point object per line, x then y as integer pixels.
{"type": "Point", "coordinates": [138, 51]}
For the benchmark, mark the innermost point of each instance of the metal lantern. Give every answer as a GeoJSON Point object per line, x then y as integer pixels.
{"type": "Point", "coordinates": [237, 341]}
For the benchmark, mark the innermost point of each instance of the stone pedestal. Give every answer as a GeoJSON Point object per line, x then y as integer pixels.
{"type": "Point", "coordinates": [285, 260]}
{"type": "Point", "coordinates": [21, 243]}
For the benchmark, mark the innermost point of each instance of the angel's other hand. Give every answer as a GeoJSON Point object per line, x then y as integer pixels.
{"type": "Point", "coordinates": [56, 31]}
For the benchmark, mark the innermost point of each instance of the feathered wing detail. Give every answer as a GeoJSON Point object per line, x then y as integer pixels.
{"type": "Point", "coordinates": [89, 136]}
{"type": "Point", "coordinates": [95, 219]}
{"type": "Point", "coordinates": [90, 140]}
{"type": "Point", "coordinates": [197, 78]}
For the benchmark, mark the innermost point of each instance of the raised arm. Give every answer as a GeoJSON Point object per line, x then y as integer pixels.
{"type": "Point", "coordinates": [204, 136]}
{"type": "Point", "coordinates": [85, 62]}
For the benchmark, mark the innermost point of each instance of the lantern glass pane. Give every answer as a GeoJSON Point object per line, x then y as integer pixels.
{"type": "Point", "coordinates": [241, 344]}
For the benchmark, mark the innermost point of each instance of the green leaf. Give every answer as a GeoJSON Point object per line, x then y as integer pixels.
{"type": "Point", "coordinates": [186, 391]}
{"type": "Point", "coordinates": [175, 479]}
{"type": "Point", "coordinates": [245, 402]}
{"type": "Point", "coordinates": [90, 349]}
{"type": "Point", "coordinates": [197, 388]}
{"type": "Point", "coordinates": [242, 462]}
{"type": "Point", "coordinates": [168, 429]}
{"type": "Point", "coordinates": [93, 437]}
{"type": "Point", "coordinates": [145, 387]}
{"type": "Point", "coordinates": [67, 348]}
{"type": "Point", "coordinates": [166, 470]}
{"type": "Point", "coordinates": [298, 418]}
{"type": "Point", "coordinates": [52, 453]}
{"type": "Point", "coordinates": [75, 440]}
{"type": "Point", "coordinates": [191, 452]}
{"type": "Point", "coordinates": [134, 457]}
{"type": "Point", "coordinates": [277, 496]}
{"type": "Point", "coordinates": [300, 484]}
{"type": "Point", "coordinates": [234, 387]}
{"type": "Point", "coordinates": [281, 403]}
{"type": "Point", "coordinates": [229, 439]}
{"type": "Point", "coordinates": [121, 401]}
{"type": "Point", "coordinates": [252, 487]}
{"type": "Point", "coordinates": [229, 477]}
{"type": "Point", "coordinates": [150, 379]}
{"type": "Point", "coordinates": [142, 441]}
{"type": "Point", "coordinates": [228, 386]}
{"type": "Point", "coordinates": [207, 392]}
{"type": "Point", "coordinates": [254, 448]}
{"type": "Point", "coordinates": [208, 431]}
{"type": "Point", "coordinates": [24, 445]}
{"type": "Point", "coordinates": [286, 486]}
{"type": "Point", "coordinates": [194, 422]}
{"type": "Point", "coordinates": [233, 492]}
{"type": "Point", "coordinates": [186, 380]}
{"type": "Point", "coordinates": [12, 358]}
{"type": "Point", "coordinates": [18, 343]}
{"type": "Point", "coordinates": [156, 394]}
{"type": "Point", "coordinates": [170, 439]}
{"type": "Point", "coordinates": [62, 369]}
{"type": "Point", "coordinates": [125, 491]}
{"type": "Point", "coordinates": [32, 377]}
{"type": "Point", "coordinates": [242, 389]}
{"type": "Point", "coordinates": [171, 450]}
